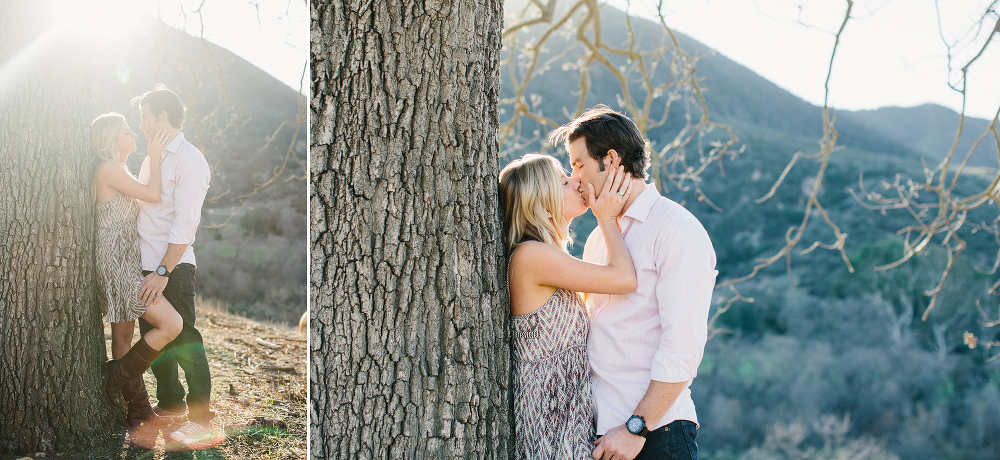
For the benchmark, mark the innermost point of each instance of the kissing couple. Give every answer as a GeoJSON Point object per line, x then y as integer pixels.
{"type": "Point", "coordinates": [146, 268]}
{"type": "Point", "coordinates": [604, 348]}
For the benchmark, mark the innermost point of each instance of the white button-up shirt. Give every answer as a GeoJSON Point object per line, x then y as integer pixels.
{"type": "Point", "coordinates": [657, 332]}
{"type": "Point", "coordinates": [185, 176]}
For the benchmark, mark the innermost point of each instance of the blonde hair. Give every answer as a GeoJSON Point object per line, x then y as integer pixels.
{"type": "Point", "coordinates": [104, 135]}
{"type": "Point", "coordinates": [104, 132]}
{"type": "Point", "coordinates": [529, 192]}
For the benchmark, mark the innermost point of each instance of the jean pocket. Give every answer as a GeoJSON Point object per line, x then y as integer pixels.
{"type": "Point", "coordinates": [688, 434]}
{"type": "Point", "coordinates": [182, 279]}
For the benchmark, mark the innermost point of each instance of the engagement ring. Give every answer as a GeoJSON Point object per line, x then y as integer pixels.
{"type": "Point", "coordinates": [621, 193]}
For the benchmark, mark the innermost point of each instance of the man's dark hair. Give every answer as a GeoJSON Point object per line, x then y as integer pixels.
{"type": "Point", "coordinates": [604, 129]}
{"type": "Point", "coordinates": [159, 99]}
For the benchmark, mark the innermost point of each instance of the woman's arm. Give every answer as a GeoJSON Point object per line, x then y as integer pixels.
{"type": "Point", "coordinates": [546, 265]}
{"type": "Point", "coordinates": [115, 176]}
{"type": "Point", "coordinates": [607, 208]}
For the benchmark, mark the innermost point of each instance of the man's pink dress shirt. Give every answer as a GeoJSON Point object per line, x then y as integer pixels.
{"type": "Point", "coordinates": [657, 332]}
{"type": "Point", "coordinates": [185, 177]}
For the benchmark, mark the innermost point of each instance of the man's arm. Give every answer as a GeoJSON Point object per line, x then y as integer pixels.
{"type": "Point", "coordinates": [189, 195]}
{"type": "Point", "coordinates": [659, 397]}
{"type": "Point", "coordinates": [654, 404]}
{"type": "Point", "coordinates": [173, 255]}
{"type": "Point", "coordinates": [685, 262]}
{"type": "Point", "coordinates": [193, 176]}
{"type": "Point", "coordinates": [153, 284]}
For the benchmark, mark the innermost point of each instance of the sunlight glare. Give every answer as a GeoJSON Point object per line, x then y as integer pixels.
{"type": "Point", "coordinates": [13, 67]}
{"type": "Point", "coordinates": [104, 21]}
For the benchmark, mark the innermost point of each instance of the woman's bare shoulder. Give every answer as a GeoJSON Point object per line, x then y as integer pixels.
{"type": "Point", "coordinates": [531, 249]}
{"type": "Point", "coordinates": [535, 255]}
{"type": "Point", "coordinates": [107, 167]}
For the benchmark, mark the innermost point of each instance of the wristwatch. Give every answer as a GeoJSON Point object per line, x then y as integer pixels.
{"type": "Point", "coordinates": [162, 271]}
{"type": "Point", "coordinates": [637, 426]}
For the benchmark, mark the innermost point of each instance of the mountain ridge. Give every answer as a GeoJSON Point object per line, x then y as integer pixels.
{"type": "Point", "coordinates": [738, 96]}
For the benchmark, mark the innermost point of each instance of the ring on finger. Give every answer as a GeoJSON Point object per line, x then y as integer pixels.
{"type": "Point", "coordinates": [621, 192]}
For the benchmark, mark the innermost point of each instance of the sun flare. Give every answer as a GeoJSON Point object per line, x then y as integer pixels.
{"type": "Point", "coordinates": [104, 21]}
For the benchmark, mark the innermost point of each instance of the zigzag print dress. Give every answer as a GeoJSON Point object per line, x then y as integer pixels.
{"type": "Point", "coordinates": [553, 412]}
{"type": "Point", "coordinates": [118, 268]}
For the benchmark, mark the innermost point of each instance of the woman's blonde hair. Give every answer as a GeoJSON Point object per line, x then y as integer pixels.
{"type": "Point", "coordinates": [529, 192]}
{"type": "Point", "coordinates": [104, 135]}
{"type": "Point", "coordinates": [104, 143]}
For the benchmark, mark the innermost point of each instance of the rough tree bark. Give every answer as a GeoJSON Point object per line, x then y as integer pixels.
{"type": "Point", "coordinates": [409, 355]}
{"type": "Point", "coordinates": [51, 335]}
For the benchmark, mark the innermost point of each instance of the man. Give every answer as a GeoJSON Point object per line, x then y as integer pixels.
{"type": "Point", "coordinates": [166, 233]}
{"type": "Point", "coordinates": [644, 347]}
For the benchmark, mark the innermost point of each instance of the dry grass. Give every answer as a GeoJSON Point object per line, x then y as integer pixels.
{"type": "Point", "coordinates": [258, 390]}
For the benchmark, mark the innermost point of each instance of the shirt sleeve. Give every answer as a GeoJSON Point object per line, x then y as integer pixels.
{"type": "Point", "coordinates": [193, 176]}
{"type": "Point", "coordinates": [685, 261]}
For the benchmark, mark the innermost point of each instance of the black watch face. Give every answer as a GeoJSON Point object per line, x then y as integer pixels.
{"type": "Point", "coordinates": [634, 425]}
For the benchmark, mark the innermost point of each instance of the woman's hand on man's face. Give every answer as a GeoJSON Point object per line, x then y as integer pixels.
{"type": "Point", "coordinates": [611, 201]}
{"type": "Point", "coordinates": [157, 143]}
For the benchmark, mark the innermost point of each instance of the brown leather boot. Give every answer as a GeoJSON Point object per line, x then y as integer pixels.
{"type": "Point", "coordinates": [119, 372]}
{"type": "Point", "coordinates": [136, 398]}
{"type": "Point", "coordinates": [112, 398]}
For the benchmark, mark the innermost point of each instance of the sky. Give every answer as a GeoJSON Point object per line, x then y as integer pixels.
{"type": "Point", "coordinates": [273, 35]}
{"type": "Point", "coordinates": [891, 53]}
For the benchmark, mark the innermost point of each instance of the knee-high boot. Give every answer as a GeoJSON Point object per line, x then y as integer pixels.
{"type": "Point", "coordinates": [134, 395]}
{"type": "Point", "coordinates": [119, 372]}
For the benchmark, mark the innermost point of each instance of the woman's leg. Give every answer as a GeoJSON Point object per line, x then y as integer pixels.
{"type": "Point", "coordinates": [166, 322]}
{"type": "Point", "coordinates": [121, 338]}
{"type": "Point", "coordinates": [118, 374]}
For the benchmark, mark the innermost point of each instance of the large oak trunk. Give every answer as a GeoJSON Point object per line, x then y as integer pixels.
{"type": "Point", "coordinates": [51, 334]}
{"type": "Point", "coordinates": [409, 355]}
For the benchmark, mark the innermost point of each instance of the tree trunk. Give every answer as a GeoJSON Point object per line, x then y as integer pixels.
{"type": "Point", "coordinates": [409, 355]}
{"type": "Point", "coordinates": [51, 334]}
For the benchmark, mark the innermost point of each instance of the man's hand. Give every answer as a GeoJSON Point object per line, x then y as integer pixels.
{"type": "Point", "coordinates": [151, 288]}
{"type": "Point", "coordinates": [618, 444]}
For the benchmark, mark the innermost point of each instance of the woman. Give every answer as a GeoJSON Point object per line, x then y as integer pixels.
{"type": "Point", "coordinates": [553, 417]}
{"type": "Point", "coordinates": [116, 190]}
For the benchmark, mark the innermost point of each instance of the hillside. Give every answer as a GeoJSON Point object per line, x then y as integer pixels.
{"type": "Point", "coordinates": [929, 131]}
{"type": "Point", "coordinates": [251, 129]}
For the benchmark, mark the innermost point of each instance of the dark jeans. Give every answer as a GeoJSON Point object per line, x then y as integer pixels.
{"type": "Point", "coordinates": [187, 351]}
{"type": "Point", "coordinates": [673, 441]}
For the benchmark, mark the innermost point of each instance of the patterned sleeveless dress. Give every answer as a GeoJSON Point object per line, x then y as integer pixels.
{"type": "Point", "coordinates": [553, 413]}
{"type": "Point", "coordinates": [118, 266]}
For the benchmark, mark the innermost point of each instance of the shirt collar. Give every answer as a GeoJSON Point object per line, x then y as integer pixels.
{"type": "Point", "coordinates": [174, 144]}
{"type": "Point", "coordinates": [639, 210]}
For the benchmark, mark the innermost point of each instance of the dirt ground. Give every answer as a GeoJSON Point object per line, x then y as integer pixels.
{"type": "Point", "coordinates": [258, 390]}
